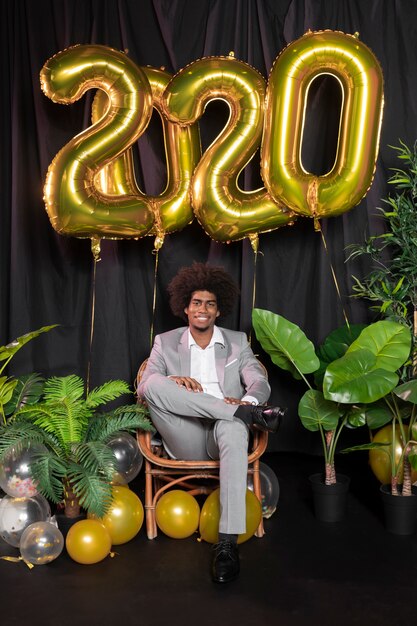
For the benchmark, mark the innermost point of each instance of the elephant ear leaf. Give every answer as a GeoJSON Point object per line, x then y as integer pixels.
{"type": "Point", "coordinates": [355, 379]}
{"type": "Point", "coordinates": [390, 342]}
{"type": "Point", "coordinates": [28, 390]}
{"type": "Point", "coordinates": [285, 343]}
{"type": "Point", "coordinates": [315, 411]}
{"type": "Point", "coordinates": [335, 346]}
{"type": "Point", "coordinates": [8, 351]}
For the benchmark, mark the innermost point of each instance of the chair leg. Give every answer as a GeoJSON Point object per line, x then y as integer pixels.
{"type": "Point", "coordinates": [258, 493]}
{"type": "Point", "coordinates": [151, 528]}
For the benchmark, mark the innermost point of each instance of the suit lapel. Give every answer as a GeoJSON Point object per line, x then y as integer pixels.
{"type": "Point", "coordinates": [221, 353]}
{"type": "Point", "coordinates": [184, 354]}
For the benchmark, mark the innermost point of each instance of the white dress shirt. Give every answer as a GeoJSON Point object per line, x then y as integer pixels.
{"type": "Point", "coordinates": [203, 365]}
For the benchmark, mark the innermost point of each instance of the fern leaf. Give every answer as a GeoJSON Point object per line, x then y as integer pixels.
{"type": "Point", "coordinates": [49, 471]}
{"type": "Point", "coordinates": [107, 392]}
{"type": "Point", "coordinates": [94, 492]}
{"type": "Point", "coordinates": [59, 388]}
{"type": "Point", "coordinates": [18, 436]}
{"type": "Point", "coordinates": [95, 457]}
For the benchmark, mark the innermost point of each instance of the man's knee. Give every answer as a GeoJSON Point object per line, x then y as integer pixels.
{"type": "Point", "coordinates": [152, 386]}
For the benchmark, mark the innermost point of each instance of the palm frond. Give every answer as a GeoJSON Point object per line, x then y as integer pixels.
{"type": "Point", "coordinates": [17, 436]}
{"type": "Point", "coordinates": [107, 392]}
{"type": "Point", "coordinates": [49, 471]}
{"type": "Point", "coordinates": [59, 388]}
{"type": "Point", "coordinates": [58, 419]}
{"type": "Point", "coordinates": [94, 492]}
{"type": "Point", "coordinates": [96, 457]}
{"type": "Point", "coordinates": [103, 427]}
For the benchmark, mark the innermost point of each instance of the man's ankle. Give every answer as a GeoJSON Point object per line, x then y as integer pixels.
{"type": "Point", "coordinates": [228, 537]}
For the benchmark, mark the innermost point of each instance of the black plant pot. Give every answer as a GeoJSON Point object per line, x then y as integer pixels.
{"type": "Point", "coordinates": [330, 501]}
{"type": "Point", "coordinates": [65, 523]}
{"type": "Point", "coordinates": [400, 512]}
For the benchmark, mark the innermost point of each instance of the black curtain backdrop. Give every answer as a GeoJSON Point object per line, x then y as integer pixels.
{"type": "Point", "coordinates": [46, 278]}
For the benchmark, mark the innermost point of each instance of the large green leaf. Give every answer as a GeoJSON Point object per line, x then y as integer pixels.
{"type": "Point", "coordinates": [7, 386]}
{"type": "Point", "coordinates": [28, 390]}
{"type": "Point", "coordinates": [335, 346]}
{"type": "Point", "coordinates": [285, 343]}
{"type": "Point", "coordinates": [390, 342]}
{"type": "Point", "coordinates": [11, 348]}
{"type": "Point", "coordinates": [407, 391]}
{"type": "Point", "coordinates": [315, 411]}
{"type": "Point", "coordinates": [353, 378]}
{"type": "Point", "coordinates": [377, 415]}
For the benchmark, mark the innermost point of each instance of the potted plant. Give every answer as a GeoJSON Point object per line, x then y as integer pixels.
{"type": "Point", "coordinates": [354, 370]}
{"type": "Point", "coordinates": [76, 466]}
{"type": "Point", "coordinates": [391, 288]}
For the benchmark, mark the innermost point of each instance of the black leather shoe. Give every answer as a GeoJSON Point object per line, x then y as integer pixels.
{"type": "Point", "coordinates": [225, 566]}
{"type": "Point", "coordinates": [267, 417]}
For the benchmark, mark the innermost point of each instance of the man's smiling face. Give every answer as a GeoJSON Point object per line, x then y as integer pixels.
{"type": "Point", "coordinates": [202, 311]}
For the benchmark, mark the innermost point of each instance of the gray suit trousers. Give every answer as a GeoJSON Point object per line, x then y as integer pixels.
{"type": "Point", "coordinates": [200, 426]}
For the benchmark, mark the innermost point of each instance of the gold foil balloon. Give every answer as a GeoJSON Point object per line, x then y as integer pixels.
{"type": "Point", "coordinates": [124, 518]}
{"type": "Point", "coordinates": [75, 204]}
{"type": "Point", "coordinates": [210, 517]}
{"type": "Point", "coordinates": [177, 514]}
{"type": "Point", "coordinates": [380, 458]}
{"type": "Point", "coordinates": [359, 74]}
{"type": "Point", "coordinates": [88, 542]}
{"type": "Point", "coordinates": [172, 208]}
{"type": "Point", "coordinates": [16, 514]}
{"type": "Point", "coordinates": [225, 211]}
{"type": "Point", "coordinates": [41, 543]}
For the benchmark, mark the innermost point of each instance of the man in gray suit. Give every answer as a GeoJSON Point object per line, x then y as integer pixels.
{"type": "Point", "coordinates": [204, 389]}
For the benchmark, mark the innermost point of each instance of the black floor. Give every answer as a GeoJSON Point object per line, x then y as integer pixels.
{"type": "Point", "coordinates": [302, 572]}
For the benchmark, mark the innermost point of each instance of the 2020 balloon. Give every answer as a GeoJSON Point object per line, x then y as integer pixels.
{"type": "Point", "coordinates": [85, 199]}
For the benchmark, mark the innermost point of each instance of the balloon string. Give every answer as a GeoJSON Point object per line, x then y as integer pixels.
{"type": "Point", "coordinates": [255, 259]}
{"type": "Point", "coordinates": [17, 559]}
{"type": "Point", "coordinates": [92, 321]}
{"type": "Point", "coordinates": [156, 253]}
{"type": "Point", "coordinates": [317, 226]}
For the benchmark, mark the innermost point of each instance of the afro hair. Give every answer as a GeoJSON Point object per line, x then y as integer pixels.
{"type": "Point", "coordinates": [202, 277]}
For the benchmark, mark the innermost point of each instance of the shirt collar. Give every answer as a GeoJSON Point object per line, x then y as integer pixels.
{"type": "Point", "coordinates": [216, 338]}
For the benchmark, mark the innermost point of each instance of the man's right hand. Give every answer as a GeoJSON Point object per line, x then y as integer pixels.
{"type": "Point", "coordinates": [190, 384]}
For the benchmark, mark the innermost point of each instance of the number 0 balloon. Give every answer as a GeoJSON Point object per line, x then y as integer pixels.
{"type": "Point", "coordinates": [359, 74]}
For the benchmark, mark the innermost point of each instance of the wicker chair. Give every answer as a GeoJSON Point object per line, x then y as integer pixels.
{"type": "Point", "coordinates": [196, 477]}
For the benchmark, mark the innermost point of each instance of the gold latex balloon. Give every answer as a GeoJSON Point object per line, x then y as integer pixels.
{"type": "Point", "coordinates": [124, 518]}
{"type": "Point", "coordinates": [210, 517]}
{"type": "Point", "coordinates": [177, 514]}
{"type": "Point", "coordinates": [172, 207]}
{"type": "Point", "coordinates": [75, 204]}
{"type": "Point", "coordinates": [225, 211]}
{"type": "Point", "coordinates": [88, 542]}
{"type": "Point", "coordinates": [379, 458]}
{"type": "Point", "coordinates": [360, 77]}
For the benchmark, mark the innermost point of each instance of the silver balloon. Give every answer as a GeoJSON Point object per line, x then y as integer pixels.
{"type": "Point", "coordinates": [129, 459]}
{"type": "Point", "coordinates": [269, 489]}
{"type": "Point", "coordinates": [16, 514]}
{"type": "Point", "coordinates": [41, 543]}
{"type": "Point", "coordinates": [15, 475]}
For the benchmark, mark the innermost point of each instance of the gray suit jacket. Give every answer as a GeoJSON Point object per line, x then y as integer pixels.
{"type": "Point", "coordinates": [238, 370]}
